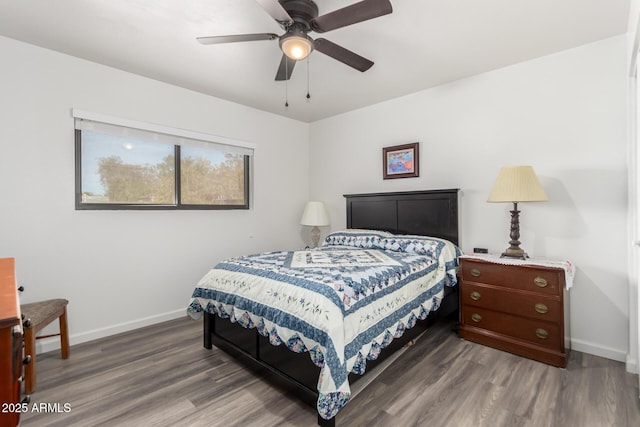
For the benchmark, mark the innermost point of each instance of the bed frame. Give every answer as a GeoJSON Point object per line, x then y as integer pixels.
{"type": "Point", "coordinates": [431, 213]}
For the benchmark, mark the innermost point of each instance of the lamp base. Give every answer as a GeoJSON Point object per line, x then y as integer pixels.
{"type": "Point", "coordinates": [515, 253]}
{"type": "Point", "coordinates": [315, 236]}
{"type": "Point", "coordinates": [514, 250]}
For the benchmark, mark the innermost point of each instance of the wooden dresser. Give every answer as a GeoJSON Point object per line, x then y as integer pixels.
{"type": "Point", "coordinates": [11, 344]}
{"type": "Point", "coordinates": [520, 308]}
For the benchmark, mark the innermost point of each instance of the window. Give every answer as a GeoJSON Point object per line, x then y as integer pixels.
{"type": "Point", "coordinates": [122, 164]}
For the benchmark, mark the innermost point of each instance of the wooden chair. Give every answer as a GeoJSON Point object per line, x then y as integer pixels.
{"type": "Point", "coordinates": [37, 315]}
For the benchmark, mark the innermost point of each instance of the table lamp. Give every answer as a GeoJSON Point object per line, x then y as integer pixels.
{"type": "Point", "coordinates": [315, 215]}
{"type": "Point", "coordinates": [516, 184]}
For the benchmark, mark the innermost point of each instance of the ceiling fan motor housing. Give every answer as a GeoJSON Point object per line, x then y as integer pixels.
{"type": "Point", "coordinates": [301, 11]}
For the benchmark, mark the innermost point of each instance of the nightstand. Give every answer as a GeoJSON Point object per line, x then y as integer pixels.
{"type": "Point", "coordinates": [519, 306]}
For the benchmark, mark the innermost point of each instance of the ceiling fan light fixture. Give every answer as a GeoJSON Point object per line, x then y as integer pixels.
{"type": "Point", "coordinates": [296, 46]}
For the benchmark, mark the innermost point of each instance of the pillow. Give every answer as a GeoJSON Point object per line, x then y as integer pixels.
{"type": "Point", "coordinates": [357, 237]}
{"type": "Point", "coordinates": [413, 244]}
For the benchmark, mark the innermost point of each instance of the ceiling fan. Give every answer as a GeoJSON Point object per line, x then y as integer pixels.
{"type": "Point", "coordinates": [300, 17]}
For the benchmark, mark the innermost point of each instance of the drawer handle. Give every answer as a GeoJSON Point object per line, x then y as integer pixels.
{"type": "Point", "coordinates": [540, 282]}
{"type": "Point", "coordinates": [475, 295]}
{"type": "Point", "coordinates": [541, 308]}
{"type": "Point", "coordinates": [542, 333]}
{"type": "Point", "coordinates": [476, 317]}
{"type": "Point", "coordinates": [475, 272]}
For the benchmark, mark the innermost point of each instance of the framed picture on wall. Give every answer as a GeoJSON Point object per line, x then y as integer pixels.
{"type": "Point", "coordinates": [400, 161]}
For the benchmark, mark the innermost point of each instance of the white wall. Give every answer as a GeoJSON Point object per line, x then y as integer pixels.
{"type": "Point", "coordinates": [565, 114]}
{"type": "Point", "coordinates": [124, 269]}
{"type": "Point", "coordinates": [633, 39]}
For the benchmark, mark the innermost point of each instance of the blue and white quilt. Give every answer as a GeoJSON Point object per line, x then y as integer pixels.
{"type": "Point", "coordinates": [342, 302]}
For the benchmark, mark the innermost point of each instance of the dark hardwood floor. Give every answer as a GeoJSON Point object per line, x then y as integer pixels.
{"type": "Point", "coordinates": [162, 376]}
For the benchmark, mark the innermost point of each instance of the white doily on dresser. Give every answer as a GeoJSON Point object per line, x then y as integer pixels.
{"type": "Point", "coordinates": [566, 265]}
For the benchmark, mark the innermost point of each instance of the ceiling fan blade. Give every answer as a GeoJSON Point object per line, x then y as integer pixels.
{"type": "Point", "coordinates": [357, 12]}
{"type": "Point", "coordinates": [286, 68]}
{"type": "Point", "coordinates": [237, 38]}
{"type": "Point", "coordinates": [343, 55]}
{"type": "Point", "coordinates": [277, 12]}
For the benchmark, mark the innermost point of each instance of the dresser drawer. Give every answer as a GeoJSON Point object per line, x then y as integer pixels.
{"type": "Point", "coordinates": [535, 331]}
{"type": "Point", "coordinates": [537, 306]}
{"type": "Point", "coordinates": [542, 280]}
{"type": "Point", "coordinates": [10, 345]}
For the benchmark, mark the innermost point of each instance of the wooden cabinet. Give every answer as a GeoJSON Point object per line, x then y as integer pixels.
{"type": "Point", "coordinates": [11, 344]}
{"type": "Point", "coordinates": [520, 308]}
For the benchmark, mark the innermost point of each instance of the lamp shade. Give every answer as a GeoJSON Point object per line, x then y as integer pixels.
{"type": "Point", "coordinates": [517, 184]}
{"type": "Point", "coordinates": [314, 214]}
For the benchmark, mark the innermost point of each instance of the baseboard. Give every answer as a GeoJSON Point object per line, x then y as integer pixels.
{"type": "Point", "coordinates": [632, 365]}
{"type": "Point", "coordinates": [49, 344]}
{"type": "Point", "coordinates": [606, 352]}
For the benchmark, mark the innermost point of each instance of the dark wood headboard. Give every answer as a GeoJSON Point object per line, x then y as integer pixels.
{"type": "Point", "coordinates": [428, 213]}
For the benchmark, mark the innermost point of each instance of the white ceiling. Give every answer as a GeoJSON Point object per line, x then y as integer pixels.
{"type": "Point", "coordinates": [422, 44]}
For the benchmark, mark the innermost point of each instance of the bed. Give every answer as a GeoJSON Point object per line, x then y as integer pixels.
{"type": "Point", "coordinates": [317, 321]}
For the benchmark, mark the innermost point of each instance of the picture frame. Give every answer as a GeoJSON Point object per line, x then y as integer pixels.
{"type": "Point", "coordinates": [401, 161]}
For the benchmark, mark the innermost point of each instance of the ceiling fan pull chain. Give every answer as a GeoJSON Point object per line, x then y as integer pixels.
{"type": "Point", "coordinates": [286, 85]}
{"type": "Point", "coordinates": [308, 95]}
